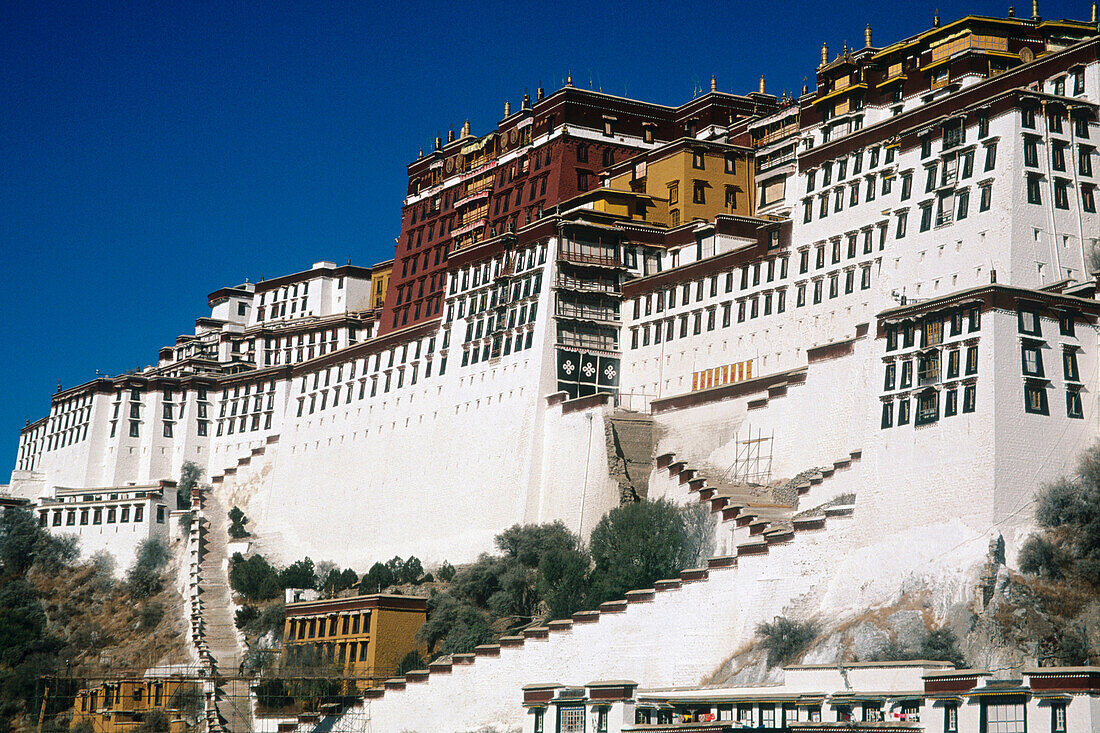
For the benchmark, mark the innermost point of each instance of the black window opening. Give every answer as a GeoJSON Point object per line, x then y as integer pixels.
{"type": "Point", "coordinates": [887, 414]}
{"type": "Point", "coordinates": [1035, 398]}
{"type": "Point", "coordinates": [928, 407]}
{"type": "Point", "coordinates": [1032, 358]}
{"type": "Point", "coordinates": [1074, 407]}
{"type": "Point", "coordinates": [903, 411]}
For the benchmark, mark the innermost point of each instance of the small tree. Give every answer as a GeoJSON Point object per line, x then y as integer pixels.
{"type": "Point", "coordinates": [446, 572]}
{"type": "Point", "coordinates": [377, 579]}
{"type": "Point", "coordinates": [237, 521]}
{"type": "Point", "coordinates": [785, 639]}
{"type": "Point", "coordinates": [144, 577]}
{"type": "Point", "coordinates": [253, 578]}
{"type": "Point", "coordinates": [299, 574]}
{"type": "Point", "coordinates": [941, 645]}
{"type": "Point", "coordinates": [634, 546]}
{"type": "Point", "coordinates": [190, 475]}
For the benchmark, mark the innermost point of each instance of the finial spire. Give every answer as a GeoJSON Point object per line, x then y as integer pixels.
{"type": "Point", "coordinates": [713, 83]}
{"type": "Point", "coordinates": [569, 79]}
{"type": "Point", "coordinates": [507, 108]}
{"type": "Point", "coordinates": [1034, 9]}
{"type": "Point", "coordinates": [867, 36]}
{"type": "Point", "coordinates": [762, 84]}
{"type": "Point", "coordinates": [824, 53]}
{"type": "Point", "coordinates": [936, 19]}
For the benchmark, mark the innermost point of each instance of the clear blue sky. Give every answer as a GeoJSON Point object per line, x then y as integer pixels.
{"type": "Point", "coordinates": [151, 152]}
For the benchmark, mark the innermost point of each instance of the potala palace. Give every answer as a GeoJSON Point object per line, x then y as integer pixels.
{"type": "Point", "coordinates": [884, 287]}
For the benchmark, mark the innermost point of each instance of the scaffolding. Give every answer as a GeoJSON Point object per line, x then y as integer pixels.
{"type": "Point", "coordinates": [752, 462]}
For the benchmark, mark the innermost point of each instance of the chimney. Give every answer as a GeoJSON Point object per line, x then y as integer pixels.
{"type": "Point", "coordinates": [507, 108]}
{"type": "Point", "coordinates": [438, 143]}
{"type": "Point", "coordinates": [451, 135]}
{"type": "Point", "coordinates": [867, 36]}
{"type": "Point", "coordinates": [465, 129]}
{"type": "Point", "coordinates": [1011, 11]}
{"type": "Point", "coordinates": [1035, 9]}
{"type": "Point", "coordinates": [824, 54]}
{"type": "Point", "coordinates": [526, 101]}
{"type": "Point", "coordinates": [539, 93]}
{"type": "Point", "coordinates": [762, 84]}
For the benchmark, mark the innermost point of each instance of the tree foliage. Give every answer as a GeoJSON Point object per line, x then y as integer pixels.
{"type": "Point", "coordinates": [237, 522]}
{"type": "Point", "coordinates": [377, 579]}
{"type": "Point", "coordinates": [299, 574]}
{"type": "Point", "coordinates": [254, 578]}
{"type": "Point", "coordinates": [144, 578]}
{"type": "Point", "coordinates": [339, 580]}
{"type": "Point", "coordinates": [190, 475]}
{"type": "Point", "coordinates": [1068, 511]}
{"type": "Point", "coordinates": [785, 639]}
{"type": "Point", "coordinates": [637, 544]}
{"type": "Point", "coordinates": [941, 645]}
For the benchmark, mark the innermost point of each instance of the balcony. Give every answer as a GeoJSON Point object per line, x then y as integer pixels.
{"type": "Point", "coordinates": [568, 282]}
{"type": "Point", "coordinates": [775, 135]}
{"type": "Point", "coordinates": [585, 312]}
{"type": "Point", "coordinates": [581, 257]}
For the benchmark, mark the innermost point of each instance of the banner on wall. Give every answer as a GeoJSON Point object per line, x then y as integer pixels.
{"type": "Point", "coordinates": [721, 375]}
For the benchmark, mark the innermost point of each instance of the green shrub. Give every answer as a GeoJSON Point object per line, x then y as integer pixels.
{"type": "Point", "coordinates": [254, 578]}
{"type": "Point", "coordinates": [634, 546]}
{"type": "Point", "coordinates": [144, 580]}
{"type": "Point", "coordinates": [298, 574]}
{"type": "Point", "coordinates": [190, 475]}
{"type": "Point", "coordinates": [377, 579]}
{"type": "Point", "coordinates": [1042, 558]}
{"type": "Point", "coordinates": [941, 645]}
{"type": "Point", "coordinates": [245, 615]}
{"type": "Point", "coordinates": [785, 639]}
{"type": "Point", "coordinates": [237, 521]}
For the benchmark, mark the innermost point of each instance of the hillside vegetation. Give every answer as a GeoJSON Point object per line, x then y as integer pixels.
{"type": "Point", "coordinates": [64, 619]}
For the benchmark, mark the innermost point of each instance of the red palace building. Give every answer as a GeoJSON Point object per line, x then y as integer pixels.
{"type": "Point", "coordinates": [471, 189]}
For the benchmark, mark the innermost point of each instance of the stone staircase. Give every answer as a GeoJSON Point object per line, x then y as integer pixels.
{"type": "Point", "coordinates": [229, 472]}
{"type": "Point", "coordinates": [231, 692]}
{"type": "Point", "coordinates": [749, 522]}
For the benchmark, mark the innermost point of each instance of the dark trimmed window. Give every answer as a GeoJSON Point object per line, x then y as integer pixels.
{"type": "Point", "coordinates": [891, 376]}
{"type": "Point", "coordinates": [951, 403]}
{"type": "Point", "coordinates": [1035, 398]}
{"type": "Point", "coordinates": [971, 360]}
{"type": "Point", "coordinates": [888, 414]}
{"type": "Point", "coordinates": [1066, 324]}
{"type": "Point", "coordinates": [970, 398]}
{"type": "Point", "coordinates": [1034, 191]}
{"type": "Point", "coordinates": [906, 374]}
{"type": "Point", "coordinates": [1028, 322]}
{"type": "Point", "coordinates": [1032, 360]}
{"type": "Point", "coordinates": [953, 364]}
{"type": "Point", "coordinates": [1074, 410]}
{"type": "Point", "coordinates": [903, 411]}
{"type": "Point", "coordinates": [1069, 366]}
{"type": "Point", "coordinates": [928, 407]}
